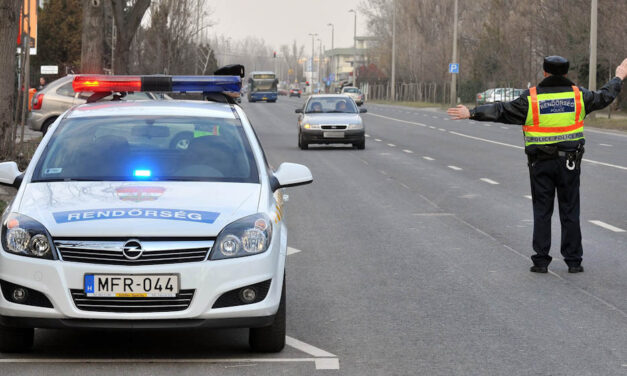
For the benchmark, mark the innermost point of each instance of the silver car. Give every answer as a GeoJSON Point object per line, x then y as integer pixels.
{"type": "Point", "coordinates": [58, 96]}
{"type": "Point", "coordinates": [354, 93]}
{"type": "Point", "coordinates": [331, 119]}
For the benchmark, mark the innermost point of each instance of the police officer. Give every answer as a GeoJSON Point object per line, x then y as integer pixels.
{"type": "Point", "coordinates": [552, 118]}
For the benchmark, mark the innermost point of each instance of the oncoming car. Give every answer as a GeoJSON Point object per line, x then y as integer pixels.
{"type": "Point", "coordinates": [330, 119]}
{"type": "Point", "coordinates": [115, 226]}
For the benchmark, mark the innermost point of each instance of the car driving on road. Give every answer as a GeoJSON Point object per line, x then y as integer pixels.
{"type": "Point", "coordinates": [116, 226]}
{"type": "Point", "coordinates": [330, 119]}
{"type": "Point", "coordinates": [354, 93]}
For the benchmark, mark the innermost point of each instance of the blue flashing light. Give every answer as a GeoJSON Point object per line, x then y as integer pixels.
{"type": "Point", "coordinates": [142, 173]}
{"type": "Point", "coordinates": [206, 84]}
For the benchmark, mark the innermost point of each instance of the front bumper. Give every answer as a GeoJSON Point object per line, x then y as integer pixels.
{"type": "Point", "coordinates": [209, 279]}
{"type": "Point", "coordinates": [315, 136]}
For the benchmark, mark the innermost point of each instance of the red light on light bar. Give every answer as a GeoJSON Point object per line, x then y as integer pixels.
{"type": "Point", "coordinates": [102, 83]}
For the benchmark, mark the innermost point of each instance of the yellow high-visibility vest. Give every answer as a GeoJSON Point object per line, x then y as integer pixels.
{"type": "Point", "coordinates": [554, 117]}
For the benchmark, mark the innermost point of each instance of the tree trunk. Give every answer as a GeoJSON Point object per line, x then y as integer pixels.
{"type": "Point", "coordinates": [9, 14]}
{"type": "Point", "coordinates": [127, 22]}
{"type": "Point", "coordinates": [92, 40]}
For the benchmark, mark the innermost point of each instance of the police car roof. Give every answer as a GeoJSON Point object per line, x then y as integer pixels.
{"type": "Point", "coordinates": [153, 108]}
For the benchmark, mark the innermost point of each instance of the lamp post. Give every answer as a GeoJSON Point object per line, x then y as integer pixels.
{"type": "Point", "coordinates": [319, 61]}
{"type": "Point", "coordinates": [312, 58]}
{"type": "Point", "coordinates": [354, 48]}
{"type": "Point", "coordinates": [332, 48]}
{"type": "Point", "coordinates": [454, 76]}
{"type": "Point", "coordinates": [394, 51]}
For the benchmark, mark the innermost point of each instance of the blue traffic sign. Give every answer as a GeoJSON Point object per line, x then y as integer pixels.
{"type": "Point", "coordinates": [453, 68]}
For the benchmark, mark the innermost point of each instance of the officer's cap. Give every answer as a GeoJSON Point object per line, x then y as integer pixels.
{"type": "Point", "coordinates": [556, 65]}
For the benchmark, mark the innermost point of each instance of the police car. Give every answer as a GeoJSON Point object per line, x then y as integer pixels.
{"type": "Point", "coordinates": [117, 224]}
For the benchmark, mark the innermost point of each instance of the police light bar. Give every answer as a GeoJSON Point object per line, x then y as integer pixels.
{"type": "Point", "coordinates": [179, 84]}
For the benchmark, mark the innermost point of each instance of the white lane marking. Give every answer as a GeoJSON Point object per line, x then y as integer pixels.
{"type": "Point", "coordinates": [327, 363]}
{"type": "Point", "coordinates": [455, 168]}
{"type": "Point", "coordinates": [435, 117]}
{"type": "Point", "coordinates": [292, 251]}
{"type": "Point", "coordinates": [432, 127]}
{"type": "Point", "coordinates": [442, 129]}
{"type": "Point", "coordinates": [428, 158]}
{"type": "Point", "coordinates": [487, 125]}
{"type": "Point", "coordinates": [608, 145]}
{"type": "Point", "coordinates": [307, 348]}
{"type": "Point", "coordinates": [528, 196]}
{"type": "Point", "coordinates": [407, 151]}
{"type": "Point", "coordinates": [367, 135]}
{"type": "Point", "coordinates": [392, 145]}
{"type": "Point", "coordinates": [377, 139]}
{"type": "Point", "coordinates": [153, 360]}
{"type": "Point", "coordinates": [504, 128]}
{"type": "Point", "coordinates": [489, 181]}
{"type": "Point", "coordinates": [520, 147]}
{"type": "Point", "coordinates": [606, 226]}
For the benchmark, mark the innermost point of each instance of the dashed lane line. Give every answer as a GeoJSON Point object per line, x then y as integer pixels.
{"type": "Point", "coordinates": [489, 181]}
{"type": "Point", "coordinates": [377, 139]}
{"type": "Point", "coordinates": [428, 158]}
{"type": "Point", "coordinates": [292, 251]}
{"type": "Point", "coordinates": [608, 145]}
{"type": "Point", "coordinates": [392, 145]}
{"type": "Point", "coordinates": [408, 151]}
{"type": "Point", "coordinates": [606, 226]}
{"type": "Point", "coordinates": [455, 168]}
{"type": "Point", "coordinates": [528, 196]}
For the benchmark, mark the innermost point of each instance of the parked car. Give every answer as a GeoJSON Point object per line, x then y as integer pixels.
{"type": "Point", "coordinates": [282, 91]}
{"type": "Point", "coordinates": [498, 95]}
{"type": "Point", "coordinates": [295, 92]}
{"type": "Point", "coordinates": [58, 96]}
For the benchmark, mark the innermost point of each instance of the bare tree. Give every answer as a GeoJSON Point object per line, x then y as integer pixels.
{"type": "Point", "coordinates": [9, 14]}
{"type": "Point", "coordinates": [92, 41]}
{"type": "Point", "coordinates": [128, 17]}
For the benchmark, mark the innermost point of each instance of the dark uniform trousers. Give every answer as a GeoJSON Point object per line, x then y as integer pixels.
{"type": "Point", "coordinates": [547, 177]}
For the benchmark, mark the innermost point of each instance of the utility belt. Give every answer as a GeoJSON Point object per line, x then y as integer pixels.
{"type": "Point", "coordinates": [548, 152]}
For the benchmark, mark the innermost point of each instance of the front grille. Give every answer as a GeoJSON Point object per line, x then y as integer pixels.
{"type": "Point", "coordinates": [99, 304]}
{"type": "Point", "coordinates": [333, 126]}
{"type": "Point", "coordinates": [153, 251]}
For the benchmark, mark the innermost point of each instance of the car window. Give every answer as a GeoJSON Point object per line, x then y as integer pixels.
{"type": "Point", "coordinates": [66, 90]}
{"type": "Point", "coordinates": [330, 105]}
{"type": "Point", "coordinates": [153, 148]}
{"type": "Point", "coordinates": [350, 90]}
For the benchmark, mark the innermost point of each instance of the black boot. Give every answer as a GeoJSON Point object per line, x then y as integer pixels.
{"type": "Point", "coordinates": [539, 269]}
{"type": "Point", "coordinates": [575, 269]}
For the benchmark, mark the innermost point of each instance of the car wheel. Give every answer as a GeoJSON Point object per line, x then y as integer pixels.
{"type": "Point", "coordinates": [302, 144]}
{"type": "Point", "coordinates": [270, 338]}
{"type": "Point", "coordinates": [16, 339]}
{"type": "Point", "coordinates": [361, 145]}
{"type": "Point", "coordinates": [47, 124]}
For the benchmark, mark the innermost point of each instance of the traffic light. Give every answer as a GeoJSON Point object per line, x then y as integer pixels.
{"type": "Point", "coordinates": [274, 54]}
{"type": "Point", "coordinates": [306, 83]}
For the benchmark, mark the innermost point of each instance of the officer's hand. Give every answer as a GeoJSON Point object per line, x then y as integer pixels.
{"type": "Point", "coordinates": [459, 112]}
{"type": "Point", "coordinates": [621, 70]}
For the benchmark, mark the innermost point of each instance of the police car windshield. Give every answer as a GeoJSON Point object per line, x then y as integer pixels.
{"type": "Point", "coordinates": [148, 148]}
{"type": "Point", "coordinates": [330, 105]}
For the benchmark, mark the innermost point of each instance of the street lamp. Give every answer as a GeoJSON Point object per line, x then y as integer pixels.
{"type": "Point", "coordinates": [312, 58]}
{"type": "Point", "coordinates": [354, 47]}
{"type": "Point", "coordinates": [319, 60]}
{"type": "Point", "coordinates": [332, 48]}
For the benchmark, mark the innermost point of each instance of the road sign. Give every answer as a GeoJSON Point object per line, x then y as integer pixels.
{"type": "Point", "coordinates": [49, 69]}
{"type": "Point", "coordinates": [453, 68]}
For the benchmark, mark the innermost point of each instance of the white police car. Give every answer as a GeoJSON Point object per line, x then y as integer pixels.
{"type": "Point", "coordinates": [117, 224]}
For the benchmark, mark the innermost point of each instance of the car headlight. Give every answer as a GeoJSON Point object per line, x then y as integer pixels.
{"type": "Point", "coordinates": [245, 237]}
{"type": "Point", "coordinates": [355, 126]}
{"type": "Point", "coordinates": [311, 126]}
{"type": "Point", "coordinates": [25, 236]}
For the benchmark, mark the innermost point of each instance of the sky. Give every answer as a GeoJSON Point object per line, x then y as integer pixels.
{"type": "Point", "coordinates": [282, 21]}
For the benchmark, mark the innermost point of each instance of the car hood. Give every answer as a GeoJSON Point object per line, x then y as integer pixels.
{"type": "Point", "coordinates": [138, 209]}
{"type": "Point", "coordinates": [334, 118]}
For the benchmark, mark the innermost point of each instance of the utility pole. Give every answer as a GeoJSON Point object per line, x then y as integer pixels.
{"type": "Point", "coordinates": [319, 62]}
{"type": "Point", "coordinates": [592, 76]}
{"type": "Point", "coordinates": [394, 50]}
{"type": "Point", "coordinates": [312, 59]}
{"type": "Point", "coordinates": [454, 76]}
{"type": "Point", "coordinates": [354, 48]}
{"type": "Point", "coordinates": [26, 82]}
{"type": "Point", "coordinates": [332, 48]}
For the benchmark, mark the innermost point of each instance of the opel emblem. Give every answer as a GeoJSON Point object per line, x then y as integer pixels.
{"type": "Point", "coordinates": [132, 249]}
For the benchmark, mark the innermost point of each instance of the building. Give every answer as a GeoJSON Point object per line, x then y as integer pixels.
{"type": "Point", "coordinates": [340, 60]}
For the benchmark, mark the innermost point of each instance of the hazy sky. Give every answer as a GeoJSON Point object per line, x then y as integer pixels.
{"type": "Point", "coordinates": [281, 21]}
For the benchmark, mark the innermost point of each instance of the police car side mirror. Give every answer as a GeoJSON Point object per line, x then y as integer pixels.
{"type": "Point", "coordinates": [10, 175]}
{"type": "Point", "coordinates": [291, 175]}
{"type": "Point", "coordinates": [363, 110]}
{"type": "Point", "coordinates": [298, 111]}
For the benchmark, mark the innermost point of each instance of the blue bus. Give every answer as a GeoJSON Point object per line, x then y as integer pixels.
{"type": "Point", "coordinates": [262, 86]}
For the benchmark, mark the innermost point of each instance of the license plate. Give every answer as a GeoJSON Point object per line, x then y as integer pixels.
{"type": "Point", "coordinates": [333, 134]}
{"type": "Point", "coordinates": [264, 98]}
{"type": "Point", "coordinates": [131, 286]}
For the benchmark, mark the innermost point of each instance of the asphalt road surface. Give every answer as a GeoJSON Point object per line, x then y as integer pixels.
{"type": "Point", "coordinates": [408, 258]}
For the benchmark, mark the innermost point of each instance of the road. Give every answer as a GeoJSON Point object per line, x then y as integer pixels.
{"type": "Point", "coordinates": [409, 258]}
